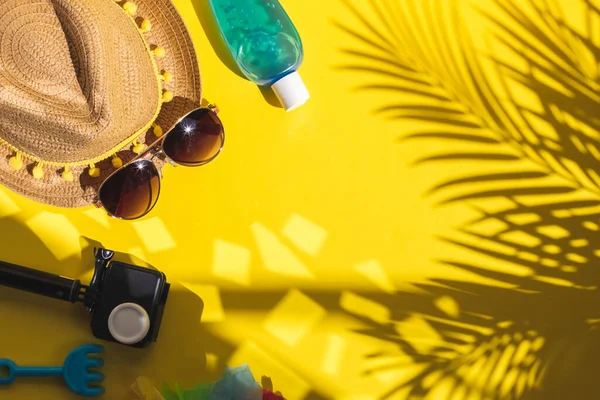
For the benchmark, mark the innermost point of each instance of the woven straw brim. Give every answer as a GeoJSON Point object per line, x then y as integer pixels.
{"type": "Point", "coordinates": [168, 31]}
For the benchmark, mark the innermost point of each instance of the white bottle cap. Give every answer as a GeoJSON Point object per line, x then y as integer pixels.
{"type": "Point", "coordinates": [128, 323]}
{"type": "Point", "coordinates": [291, 91]}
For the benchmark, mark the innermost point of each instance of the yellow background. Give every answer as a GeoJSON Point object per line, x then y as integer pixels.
{"type": "Point", "coordinates": [302, 214]}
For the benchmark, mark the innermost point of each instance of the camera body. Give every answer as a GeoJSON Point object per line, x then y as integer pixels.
{"type": "Point", "coordinates": [116, 283]}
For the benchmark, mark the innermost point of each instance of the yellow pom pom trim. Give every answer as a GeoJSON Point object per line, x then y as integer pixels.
{"type": "Point", "coordinates": [67, 175]}
{"type": "Point", "coordinates": [167, 77]}
{"type": "Point", "coordinates": [130, 7]}
{"type": "Point", "coordinates": [38, 171]}
{"type": "Point", "coordinates": [159, 52]}
{"type": "Point", "coordinates": [138, 148]}
{"type": "Point", "coordinates": [16, 162]}
{"type": "Point", "coordinates": [158, 132]}
{"type": "Point", "coordinates": [167, 96]}
{"type": "Point", "coordinates": [145, 26]}
{"type": "Point", "coordinates": [116, 161]}
{"type": "Point", "coordinates": [94, 171]}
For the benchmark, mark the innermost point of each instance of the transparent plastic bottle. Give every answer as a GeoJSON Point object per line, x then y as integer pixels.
{"type": "Point", "coordinates": [265, 45]}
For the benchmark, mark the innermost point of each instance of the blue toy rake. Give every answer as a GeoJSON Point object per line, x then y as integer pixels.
{"type": "Point", "coordinates": [75, 371]}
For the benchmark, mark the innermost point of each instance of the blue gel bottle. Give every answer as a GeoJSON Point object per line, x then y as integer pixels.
{"type": "Point", "coordinates": [265, 45]}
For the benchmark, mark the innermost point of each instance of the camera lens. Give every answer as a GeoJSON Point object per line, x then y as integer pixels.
{"type": "Point", "coordinates": [128, 323]}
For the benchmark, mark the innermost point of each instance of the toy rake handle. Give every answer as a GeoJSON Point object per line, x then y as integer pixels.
{"type": "Point", "coordinates": [39, 371]}
{"type": "Point", "coordinates": [14, 371]}
{"type": "Point", "coordinates": [39, 282]}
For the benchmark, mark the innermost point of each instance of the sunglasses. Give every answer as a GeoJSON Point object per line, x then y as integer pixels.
{"type": "Point", "coordinates": [132, 191]}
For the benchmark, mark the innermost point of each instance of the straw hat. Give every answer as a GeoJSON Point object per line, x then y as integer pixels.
{"type": "Point", "coordinates": [84, 84]}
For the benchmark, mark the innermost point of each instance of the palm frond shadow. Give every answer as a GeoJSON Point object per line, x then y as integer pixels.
{"type": "Point", "coordinates": [534, 138]}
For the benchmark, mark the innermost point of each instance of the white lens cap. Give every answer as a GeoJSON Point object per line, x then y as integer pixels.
{"type": "Point", "coordinates": [128, 323]}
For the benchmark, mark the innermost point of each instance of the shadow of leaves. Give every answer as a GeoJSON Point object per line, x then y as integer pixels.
{"type": "Point", "coordinates": [522, 112]}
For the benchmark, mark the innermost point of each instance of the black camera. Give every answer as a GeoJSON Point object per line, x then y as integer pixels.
{"type": "Point", "coordinates": [126, 302]}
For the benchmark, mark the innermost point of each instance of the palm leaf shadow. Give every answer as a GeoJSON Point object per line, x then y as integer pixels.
{"type": "Point", "coordinates": [548, 151]}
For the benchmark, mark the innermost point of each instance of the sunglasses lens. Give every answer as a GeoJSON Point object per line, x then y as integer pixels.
{"type": "Point", "coordinates": [196, 139]}
{"type": "Point", "coordinates": [131, 192]}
